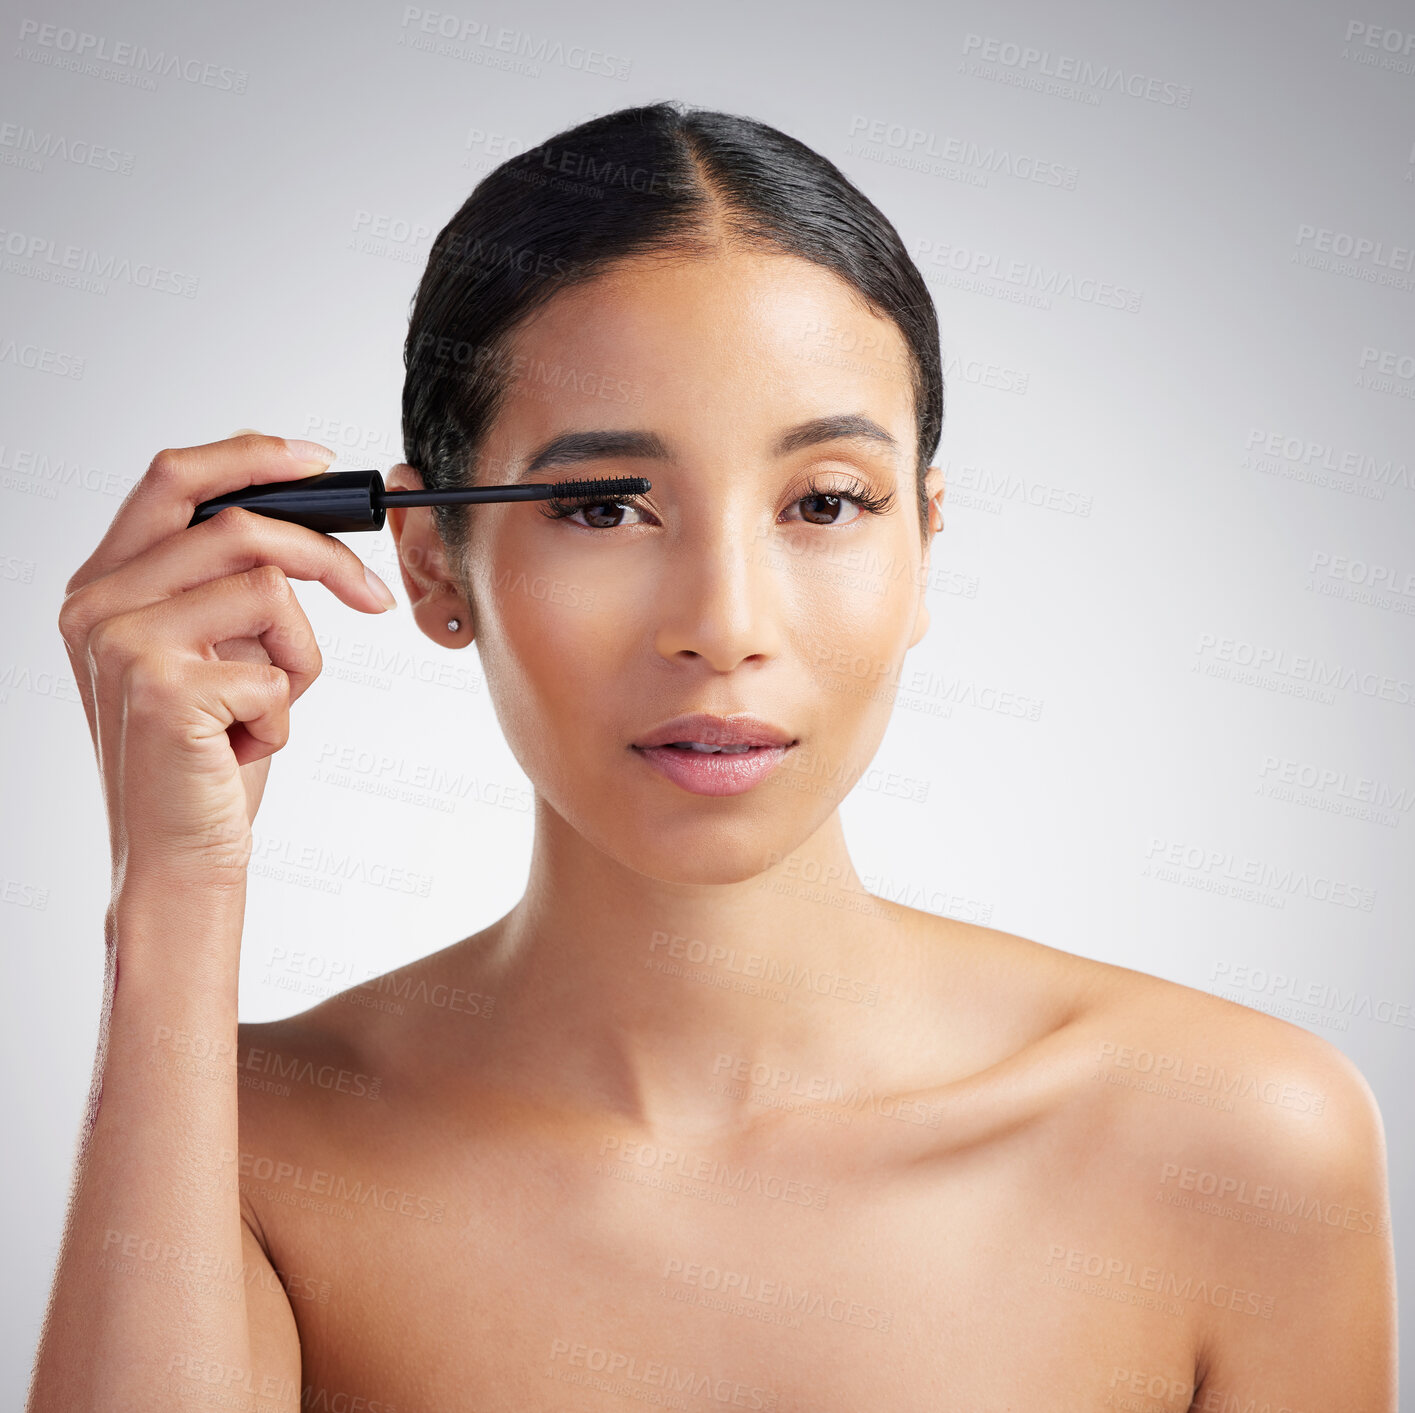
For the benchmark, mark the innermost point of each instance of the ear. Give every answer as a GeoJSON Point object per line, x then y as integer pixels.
{"type": "Point", "coordinates": [934, 490]}
{"type": "Point", "coordinates": [432, 588]}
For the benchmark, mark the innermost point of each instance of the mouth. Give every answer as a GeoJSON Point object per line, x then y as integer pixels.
{"type": "Point", "coordinates": [706, 733]}
{"type": "Point", "coordinates": [713, 772]}
{"type": "Point", "coordinates": [705, 749]}
{"type": "Point", "coordinates": [715, 755]}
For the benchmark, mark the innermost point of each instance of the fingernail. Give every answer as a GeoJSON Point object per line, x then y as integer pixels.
{"type": "Point", "coordinates": [309, 451]}
{"type": "Point", "coordinates": [381, 591]}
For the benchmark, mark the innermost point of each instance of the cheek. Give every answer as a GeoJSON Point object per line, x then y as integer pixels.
{"type": "Point", "coordinates": [849, 613]}
{"type": "Point", "coordinates": [568, 636]}
{"type": "Point", "coordinates": [548, 640]}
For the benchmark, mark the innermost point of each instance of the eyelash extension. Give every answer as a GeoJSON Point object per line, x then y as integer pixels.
{"type": "Point", "coordinates": [876, 505]}
{"type": "Point", "coordinates": [558, 507]}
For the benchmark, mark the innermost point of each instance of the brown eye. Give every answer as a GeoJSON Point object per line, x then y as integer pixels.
{"type": "Point", "coordinates": [824, 504]}
{"type": "Point", "coordinates": [826, 508]}
{"type": "Point", "coordinates": [603, 514]}
{"type": "Point", "coordinates": [599, 514]}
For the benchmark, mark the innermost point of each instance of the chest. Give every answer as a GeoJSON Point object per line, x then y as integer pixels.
{"type": "Point", "coordinates": [534, 1276]}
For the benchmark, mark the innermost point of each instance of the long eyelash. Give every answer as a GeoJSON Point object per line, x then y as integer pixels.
{"type": "Point", "coordinates": [876, 505]}
{"type": "Point", "coordinates": [558, 507]}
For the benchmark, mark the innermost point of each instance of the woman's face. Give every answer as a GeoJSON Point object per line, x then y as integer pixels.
{"type": "Point", "coordinates": [736, 585]}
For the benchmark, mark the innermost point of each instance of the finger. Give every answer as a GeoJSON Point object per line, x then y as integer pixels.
{"type": "Point", "coordinates": [247, 701]}
{"type": "Point", "coordinates": [229, 542]}
{"type": "Point", "coordinates": [179, 478]}
{"type": "Point", "coordinates": [258, 603]}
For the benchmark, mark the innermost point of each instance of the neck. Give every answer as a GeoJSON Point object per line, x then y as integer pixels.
{"type": "Point", "coordinates": [660, 1001]}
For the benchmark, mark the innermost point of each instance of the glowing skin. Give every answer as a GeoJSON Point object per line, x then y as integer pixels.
{"type": "Point", "coordinates": [630, 1150]}
{"type": "Point", "coordinates": [717, 606]}
{"type": "Point", "coordinates": [723, 598]}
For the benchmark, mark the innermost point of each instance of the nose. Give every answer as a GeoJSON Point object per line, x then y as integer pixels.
{"type": "Point", "coordinates": [719, 600]}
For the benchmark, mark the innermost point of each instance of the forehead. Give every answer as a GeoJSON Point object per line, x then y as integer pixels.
{"type": "Point", "coordinates": [734, 345]}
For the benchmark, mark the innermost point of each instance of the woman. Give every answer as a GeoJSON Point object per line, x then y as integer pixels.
{"type": "Point", "coordinates": [699, 1122]}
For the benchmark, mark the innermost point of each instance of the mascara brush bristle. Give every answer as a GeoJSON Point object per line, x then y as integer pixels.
{"type": "Point", "coordinates": [613, 486]}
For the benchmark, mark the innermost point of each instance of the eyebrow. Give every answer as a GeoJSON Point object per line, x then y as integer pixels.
{"type": "Point", "coordinates": [572, 448]}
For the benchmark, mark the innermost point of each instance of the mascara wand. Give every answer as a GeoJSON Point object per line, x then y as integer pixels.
{"type": "Point", "coordinates": [337, 501]}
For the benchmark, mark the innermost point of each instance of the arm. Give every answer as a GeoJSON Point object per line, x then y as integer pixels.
{"type": "Point", "coordinates": [1330, 1346]}
{"type": "Point", "coordinates": [188, 647]}
{"type": "Point", "coordinates": [162, 1293]}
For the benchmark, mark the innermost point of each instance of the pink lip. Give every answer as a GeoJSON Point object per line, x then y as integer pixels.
{"type": "Point", "coordinates": [707, 774]}
{"type": "Point", "coordinates": [739, 729]}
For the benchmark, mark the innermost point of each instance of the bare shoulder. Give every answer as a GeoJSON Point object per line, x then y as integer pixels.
{"type": "Point", "coordinates": [306, 1083]}
{"type": "Point", "coordinates": [1299, 1098]}
{"type": "Point", "coordinates": [313, 1089]}
{"type": "Point", "coordinates": [1227, 1090]}
{"type": "Point", "coordinates": [339, 1048]}
{"type": "Point", "coordinates": [1267, 1149]}
{"type": "Point", "coordinates": [1160, 1037]}
{"type": "Point", "coordinates": [335, 1065]}
{"type": "Point", "coordinates": [1250, 1096]}
{"type": "Point", "coordinates": [1243, 1158]}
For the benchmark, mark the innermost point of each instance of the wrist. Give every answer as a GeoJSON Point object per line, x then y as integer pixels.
{"type": "Point", "coordinates": [169, 929]}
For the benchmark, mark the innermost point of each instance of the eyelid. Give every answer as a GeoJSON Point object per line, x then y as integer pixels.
{"type": "Point", "coordinates": [856, 491]}
{"type": "Point", "coordinates": [562, 508]}
{"type": "Point", "coordinates": [819, 475]}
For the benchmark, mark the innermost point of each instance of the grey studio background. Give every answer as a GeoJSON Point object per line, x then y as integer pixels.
{"type": "Point", "coordinates": [1163, 716]}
